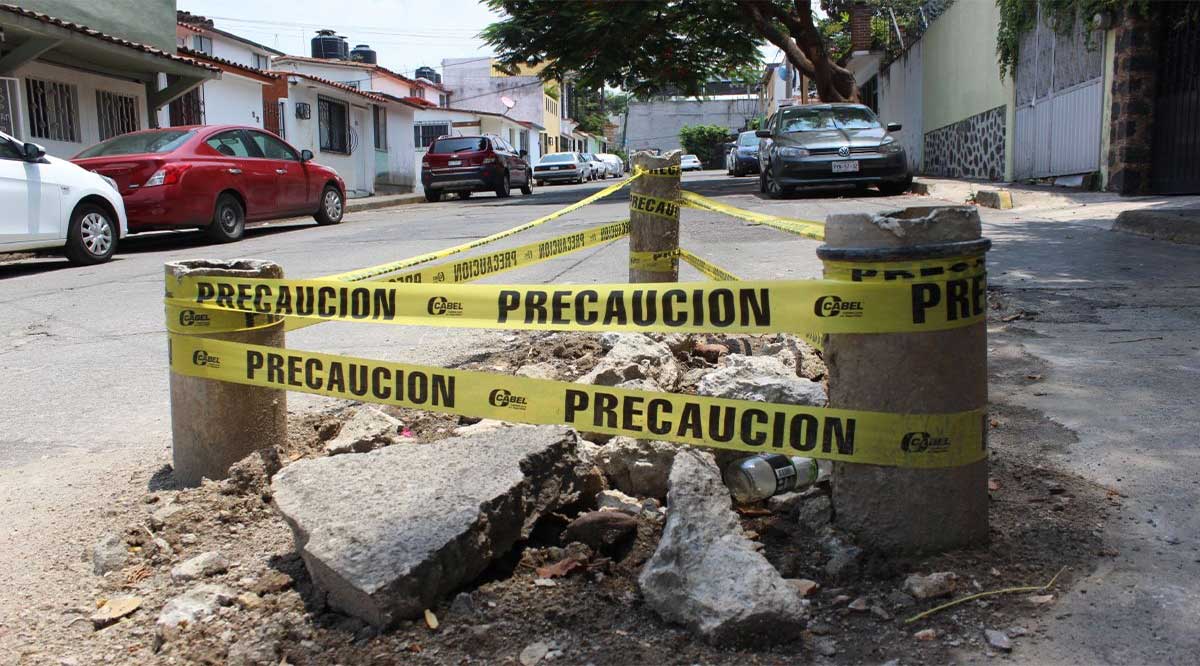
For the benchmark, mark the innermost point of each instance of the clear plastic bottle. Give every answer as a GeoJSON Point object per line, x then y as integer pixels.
{"type": "Point", "coordinates": [758, 477]}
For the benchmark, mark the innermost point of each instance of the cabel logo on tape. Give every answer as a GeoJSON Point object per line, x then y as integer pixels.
{"type": "Point", "coordinates": [933, 440]}
{"type": "Point", "coordinates": [658, 207]}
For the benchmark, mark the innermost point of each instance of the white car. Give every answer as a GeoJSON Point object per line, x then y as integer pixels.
{"type": "Point", "coordinates": [616, 168]}
{"type": "Point", "coordinates": [52, 203]}
{"type": "Point", "coordinates": [690, 163]}
{"type": "Point", "coordinates": [597, 168]}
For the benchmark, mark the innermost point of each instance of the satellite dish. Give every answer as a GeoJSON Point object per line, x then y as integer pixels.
{"type": "Point", "coordinates": [507, 102]}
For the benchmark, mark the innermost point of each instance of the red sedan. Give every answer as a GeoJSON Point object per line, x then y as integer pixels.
{"type": "Point", "coordinates": [214, 177]}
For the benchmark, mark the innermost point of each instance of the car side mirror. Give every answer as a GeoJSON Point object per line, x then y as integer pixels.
{"type": "Point", "coordinates": [524, 153]}
{"type": "Point", "coordinates": [306, 155]}
{"type": "Point", "coordinates": [32, 152]}
{"type": "Point", "coordinates": [762, 134]}
{"type": "Point", "coordinates": [894, 127]}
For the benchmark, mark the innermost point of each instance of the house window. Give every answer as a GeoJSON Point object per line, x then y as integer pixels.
{"type": "Point", "coordinates": [443, 100]}
{"type": "Point", "coordinates": [187, 109]}
{"type": "Point", "coordinates": [380, 128]}
{"type": "Point", "coordinates": [262, 62]}
{"type": "Point", "coordinates": [202, 44]}
{"type": "Point", "coordinates": [425, 133]}
{"type": "Point", "coordinates": [9, 106]}
{"type": "Point", "coordinates": [333, 122]}
{"type": "Point", "coordinates": [118, 114]}
{"type": "Point", "coordinates": [417, 92]}
{"type": "Point", "coordinates": [53, 110]}
{"type": "Point", "coordinates": [524, 141]}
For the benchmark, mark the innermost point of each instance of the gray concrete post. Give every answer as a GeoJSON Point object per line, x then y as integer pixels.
{"type": "Point", "coordinates": [897, 509]}
{"type": "Point", "coordinates": [653, 228]}
{"type": "Point", "coordinates": [215, 424]}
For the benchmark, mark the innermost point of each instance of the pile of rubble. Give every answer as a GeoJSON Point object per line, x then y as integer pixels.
{"type": "Point", "coordinates": [400, 523]}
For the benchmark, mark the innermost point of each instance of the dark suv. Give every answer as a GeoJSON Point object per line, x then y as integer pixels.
{"type": "Point", "coordinates": [466, 164]}
{"type": "Point", "coordinates": [830, 144]}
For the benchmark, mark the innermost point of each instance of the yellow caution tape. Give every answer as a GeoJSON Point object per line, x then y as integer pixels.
{"type": "Point", "coordinates": [672, 171]}
{"type": "Point", "coordinates": [807, 228]}
{"type": "Point", "coordinates": [709, 269]}
{"type": "Point", "coordinates": [823, 306]}
{"type": "Point", "coordinates": [654, 261]}
{"type": "Point", "coordinates": [641, 203]}
{"type": "Point", "coordinates": [392, 267]}
{"type": "Point", "coordinates": [904, 271]}
{"type": "Point", "coordinates": [909, 440]}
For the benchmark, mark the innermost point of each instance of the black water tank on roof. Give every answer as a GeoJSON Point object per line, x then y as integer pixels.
{"type": "Point", "coordinates": [327, 44]}
{"type": "Point", "coordinates": [365, 54]}
{"type": "Point", "coordinates": [429, 74]}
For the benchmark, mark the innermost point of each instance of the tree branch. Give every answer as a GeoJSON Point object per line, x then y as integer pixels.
{"type": "Point", "coordinates": [776, 36]}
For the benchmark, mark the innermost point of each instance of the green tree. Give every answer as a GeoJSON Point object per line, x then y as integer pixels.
{"type": "Point", "coordinates": [706, 142]}
{"type": "Point", "coordinates": [647, 46]}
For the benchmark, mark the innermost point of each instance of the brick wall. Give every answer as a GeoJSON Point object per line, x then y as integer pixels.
{"type": "Point", "coordinates": [860, 27]}
{"type": "Point", "coordinates": [1133, 87]}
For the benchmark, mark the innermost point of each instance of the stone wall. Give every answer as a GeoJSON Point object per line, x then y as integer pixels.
{"type": "Point", "coordinates": [970, 148]}
{"type": "Point", "coordinates": [1134, 76]}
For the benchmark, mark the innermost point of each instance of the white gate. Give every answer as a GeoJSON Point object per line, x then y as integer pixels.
{"type": "Point", "coordinates": [1060, 96]}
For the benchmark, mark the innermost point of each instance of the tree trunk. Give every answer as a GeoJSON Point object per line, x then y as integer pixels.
{"type": "Point", "coordinates": [803, 46]}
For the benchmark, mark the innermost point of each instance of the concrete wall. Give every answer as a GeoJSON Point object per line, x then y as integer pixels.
{"type": "Point", "coordinates": [233, 100]}
{"type": "Point", "coordinates": [149, 22]}
{"type": "Point", "coordinates": [901, 100]}
{"type": "Point", "coordinates": [357, 168]}
{"type": "Point", "coordinates": [657, 124]}
{"type": "Point", "coordinates": [86, 86]}
{"type": "Point", "coordinates": [474, 87]}
{"type": "Point", "coordinates": [397, 165]}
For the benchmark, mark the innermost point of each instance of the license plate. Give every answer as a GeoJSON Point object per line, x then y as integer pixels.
{"type": "Point", "coordinates": [845, 166]}
{"type": "Point", "coordinates": [459, 163]}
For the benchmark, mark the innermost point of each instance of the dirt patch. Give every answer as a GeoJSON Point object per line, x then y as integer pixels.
{"type": "Point", "coordinates": [1041, 521]}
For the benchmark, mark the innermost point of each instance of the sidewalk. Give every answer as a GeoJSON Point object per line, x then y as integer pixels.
{"type": "Point", "coordinates": [383, 201]}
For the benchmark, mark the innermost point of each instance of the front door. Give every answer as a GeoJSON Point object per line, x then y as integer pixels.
{"type": "Point", "coordinates": [30, 198]}
{"type": "Point", "coordinates": [293, 193]}
{"type": "Point", "coordinates": [256, 176]}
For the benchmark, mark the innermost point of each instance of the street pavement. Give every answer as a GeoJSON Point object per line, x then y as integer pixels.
{"type": "Point", "coordinates": [85, 410]}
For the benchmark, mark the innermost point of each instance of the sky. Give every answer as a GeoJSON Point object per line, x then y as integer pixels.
{"type": "Point", "coordinates": [406, 33]}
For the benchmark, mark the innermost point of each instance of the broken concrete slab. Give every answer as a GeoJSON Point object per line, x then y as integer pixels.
{"type": "Point", "coordinates": [109, 553]}
{"type": "Point", "coordinates": [633, 356]}
{"type": "Point", "coordinates": [365, 430]}
{"type": "Point", "coordinates": [705, 573]}
{"type": "Point", "coordinates": [389, 533]}
{"type": "Point", "coordinates": [760, 378]}
{"type": "Point", "coordinates": [1178, 225]}
{"type": "Point", "coordinates": [999, 199]}
{"type": "Point", "coordinates": [200, 566]}
{"type": "Point", "coordinates": [193, 606]}
{"type": "Point", "coordinates": [635, 466]}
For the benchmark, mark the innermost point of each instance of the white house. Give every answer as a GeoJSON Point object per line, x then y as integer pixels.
{"type": "Point", "coordinates": [68, 86]}
{"type": "Point", "coordinates": [367, 76]}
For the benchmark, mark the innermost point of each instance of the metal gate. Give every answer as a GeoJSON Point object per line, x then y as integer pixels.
{"type": "Point", "coordinates": [1175, 167]}
{"type": "Point", "coordinates": [1060, 97]}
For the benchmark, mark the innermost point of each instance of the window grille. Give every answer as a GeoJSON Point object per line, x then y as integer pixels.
{"type": "Point", "coordinates": [424, 134]}
{"type": "Point", "coordinates": [53, 110]}
{"type": "Point", "coordinates": [333, 123]}
{"type": "Point", "coordinates": [380, 128]}
{"type": "Point", "coordinates": [118, 114]}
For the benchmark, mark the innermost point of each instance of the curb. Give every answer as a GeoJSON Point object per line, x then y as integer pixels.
{"type": "Point", "coordinates": [999, 199]}
{"type": "Point", "coordinates": [919, 187]}
{"type": "Point", "coordinates": [1180, 225]}
{"type": "Point", "coordinates": [359, 205]}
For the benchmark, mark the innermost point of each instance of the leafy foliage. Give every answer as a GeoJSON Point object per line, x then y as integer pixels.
{"type": "Point", "coordinates": [706, 142]}
{"type": "Point", "coordinates": [1019, 16]}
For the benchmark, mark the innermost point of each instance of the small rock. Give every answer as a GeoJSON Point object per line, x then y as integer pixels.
{"type": "Point", "coordinates": [168, 515]}
{"type": "Point", "coordinates": [925, 635]}
{"type": "Point", "coordinates": [192, 606]}
{"type": "Point", "coordinates": [366, 429]}
{"type": "Point", "coordinates": [803, 586]}
{"type": "Point", "coordinates": [636, 467]}
{"type": "Point", "coordinates": [533, 653]}
{"type": "Point", "coordinates": [859, 604]}
{"type": "Point", "coordinates": [109, 553]}
{"type": "Point", "coordinates": [258, 647]}
{"type": "Point", "coordinates": [463, 604]}
{"type": "Point", "coordinates": [998, 640]}
{"type": "Point", "coordinates": [618, 501]}
{"type": "Point", "coordinates": [815, 512]}
{"type": "Point", "coordinates": [249, 600]}
{"type": "Point", "coordinates": [819, 629]}
{"type": "Point", "coordinates": [825, 646]}
{"type": "Point", "coordinates": [601, 529]}
{"type": "Point", "coordinates": [200, 566]}
{"type": "Point", "coordinates": [840, 599]}
{"type": "Point", "coordinates": [544, 582]}
{"type": "Point", "coordinates": [710, 352]}
{"type": "Point", "coordinates": [543, 370]}
{"type": "Point", "coordinates": [482, 426]}
{"type": "Point", "coordinates": [762, 379]}
{"type": "Point", "coordinates": [1014, 632]}
{"type": "Point", "coordinates": [1040, 599]}
{"type": "Point", "coordinates": [899, 599]}
{"type": "Point", "coordinates": [272, 582]}
{"type": "Point", "coordinates": [785, 504]}
{"type": "Point", "coordinates": [891, 662]}
{"type": "Point", "coordinates": [935, 585]}
{"type": "Point", "coordinates": [253, 473]}
{"type": "Point", "coordinates": [114, 609]}
{"type": "Point", "coordinates": [881, 613]}
{"type": "Point", "coordinates": [844, 559]}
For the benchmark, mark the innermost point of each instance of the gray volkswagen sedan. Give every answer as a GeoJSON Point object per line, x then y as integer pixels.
{"type": "Point", "coordinates": [830, 144]}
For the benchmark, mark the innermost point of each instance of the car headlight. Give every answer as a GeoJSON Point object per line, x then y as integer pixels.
{"type": "Point", "coordinates": [111, 183]}
{"type": "Point", "coordinates": [792, 151]}
{"type": "Point", "coordinates": [889, 145]}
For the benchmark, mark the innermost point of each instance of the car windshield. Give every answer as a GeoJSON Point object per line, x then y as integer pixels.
{"type": "Point", "coordinates": [163, 141]}
{"type": "Point", "coordinates": [747, 139]}
{"type": "Point", "coordinates": [458, 145]}
{"type": "Point", "coordinates": [825, 118]}
{"type": "Point", "coordinates": [691, 157]}
{"type": "Point", "coordinates": [559, 157]}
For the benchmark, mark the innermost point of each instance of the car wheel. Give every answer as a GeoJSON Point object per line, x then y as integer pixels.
{"type": "Point", "coordinates": [773, 188]}
{"type": "Point", "coordinates": [332, 207]}
{"type": "Point", "coordinates": [504, 188]}
{"type": "Point", "coordinates": [433, 196]}
{"type": "Point", "coordinates": [92, 236]}
{"type": "Point", "coordinates": [527, 188]}
{"type": "Point", "coordinates": [229, 220]}
{"type": "Point", "coordinates": [892, 189]}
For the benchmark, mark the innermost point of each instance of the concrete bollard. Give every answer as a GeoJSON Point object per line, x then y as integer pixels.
{"type": "Point", "coordinates": [893, 509]}
{"type": "Point", "coordinates": [215, 424]}
{"type": "Point", "coordinates": [654, 219]}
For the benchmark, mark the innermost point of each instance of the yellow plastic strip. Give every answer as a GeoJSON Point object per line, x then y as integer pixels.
{"type": "Point", "coordinates": [807, 228]}
{"type": "Point", "coordinates": [899, 440]}
{"type": "Point", "coordinates": [743, 307]}
{"type": "Point", "coordinates": [654, 261]}
{"type": "Point", "coordinates": [709, 269]}
{"type": "Point", "coordinates": [641, 203]}
{"type": "Point", "coordinates": [905, 271]}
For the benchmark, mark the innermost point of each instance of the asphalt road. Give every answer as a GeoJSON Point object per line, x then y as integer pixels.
{"type": "Point", "coordinates": [84, 409]}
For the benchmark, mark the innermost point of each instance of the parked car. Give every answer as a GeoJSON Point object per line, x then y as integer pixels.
{"type": "Point", "coordinates": [561, 168]}
{"type": "Point", "coordinates": [829, 144]}
{"type": "Point", "coordinates": [597, 168]}
{"type": "Point", "coordinates": [616, 168]}
{"type": "Point", "coordinates": [742, 157]}
{"type": "Point", "coordinates": [50, 203]}
{"type": "Point", "coordinates": [467, 164]}
{"type": "Point", "coordinates": [690, 163]}
{"type": "Point", "coordinates": [215, 178]}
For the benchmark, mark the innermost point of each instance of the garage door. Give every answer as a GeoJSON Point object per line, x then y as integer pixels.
{"type": "Point", "coordinates": [1175, 166]}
